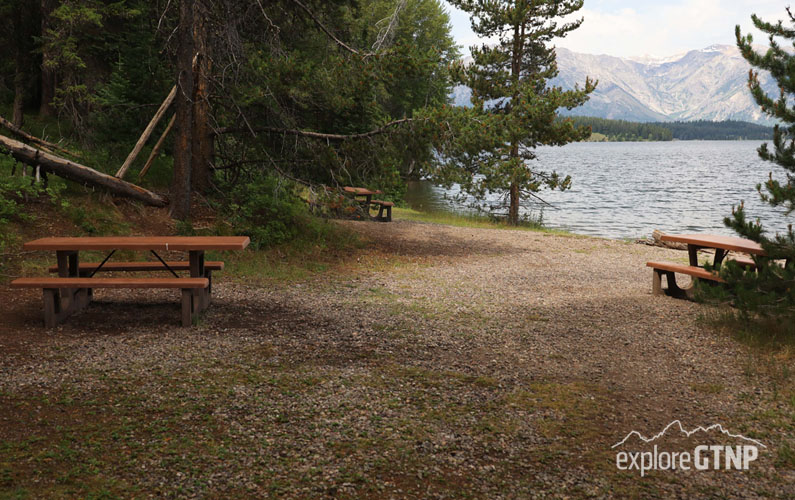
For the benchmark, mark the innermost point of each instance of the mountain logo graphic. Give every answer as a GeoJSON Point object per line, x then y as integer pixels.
{"type": "Point", "coordinates": [677, 423]}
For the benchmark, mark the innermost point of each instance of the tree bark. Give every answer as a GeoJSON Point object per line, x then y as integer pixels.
{"type": "Point", "coordinates": [181, 184]}
{"type": "Point", "coordinates": [516, 65]}
{"type": "Point", "coordinates": [22, 36]}
{"type": "Point", "coordinates": [513, 212]}
{"type": "Point", "coordinates": [202, 135]}
{"type": "Point", "coordinates": [18, 117]}
{"type": "Point", "coordinates": [47, 75]}
{"type": "Point", "coordinates": [78, 173]}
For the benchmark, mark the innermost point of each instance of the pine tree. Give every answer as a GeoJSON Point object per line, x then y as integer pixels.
{"type": "Point", "coordinates": [509, 83]}
{"type": "Point", "coordinates": [770, 290]}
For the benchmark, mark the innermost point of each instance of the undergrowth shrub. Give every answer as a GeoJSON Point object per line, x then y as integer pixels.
{"type": "Point", "coordinates": [762, 301]}
{"type": "Point", "coordinates": [268, 209]}
{"type": "Point", "coordinates": [14, 191]}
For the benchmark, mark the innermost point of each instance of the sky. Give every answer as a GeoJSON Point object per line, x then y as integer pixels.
{"type": "Point", "coordinates": [656, 29]}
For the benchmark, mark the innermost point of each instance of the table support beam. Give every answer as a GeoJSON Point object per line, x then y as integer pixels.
{"type": "Point", "coordinates": [197, 270]}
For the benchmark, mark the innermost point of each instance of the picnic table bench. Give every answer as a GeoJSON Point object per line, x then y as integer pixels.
{"type": "Point", "coordinates": [722, 246]}
{"type": "Point", "coordinates": [72, 290]}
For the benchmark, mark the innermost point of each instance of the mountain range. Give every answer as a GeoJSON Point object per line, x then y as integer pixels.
{"type": "Point", "coordinates": [706, 84]}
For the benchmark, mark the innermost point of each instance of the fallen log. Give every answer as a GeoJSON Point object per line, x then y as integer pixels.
{"type": "Point", "coordinates": [44, 145]}
{"type": "Point", "coordinates": [656, 241]}
{"type": "Point", "coordinates": [78, 173]}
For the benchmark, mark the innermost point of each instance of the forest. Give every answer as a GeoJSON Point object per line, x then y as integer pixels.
{"type": "Point", "coordinates": [729, 130]}
{"type": "Point", "coordinates": [257, 103]}
{"type": "Point", "coordinates": [621, 130]}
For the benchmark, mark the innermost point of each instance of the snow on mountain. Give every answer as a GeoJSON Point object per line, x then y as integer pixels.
{"type": "Point", "coordinates": [707, 84]}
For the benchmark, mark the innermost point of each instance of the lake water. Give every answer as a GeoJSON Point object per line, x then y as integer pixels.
{"type": "Point", "coordinates": [629, 189]}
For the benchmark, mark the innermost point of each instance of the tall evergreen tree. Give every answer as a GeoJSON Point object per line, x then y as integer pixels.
{"type": "Point", "coordinates": [509, 82]}
{"type": "Point", "coordinates": [770, 290]}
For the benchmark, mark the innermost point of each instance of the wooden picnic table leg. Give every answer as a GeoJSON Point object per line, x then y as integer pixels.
{"type": "Point", "coordinates": [201, 295]}
{"type": "Point", "coordinates": [69, 300]}
{"type": "Point", "coordinates": [720, 254]}
{"type": "Point", "coordinates": [52, 307]}
{"type": "Point", "coordinates": [68, 267]}
{"type": "Point", "coordinates": [188, 309]}
{"type": "Point", "coordinates": [692, 252]}
{"type": "Point", "coordinates": [366, 204]}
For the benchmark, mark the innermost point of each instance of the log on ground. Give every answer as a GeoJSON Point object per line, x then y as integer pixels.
{"type": "Point", "coordinates": [79, 173]}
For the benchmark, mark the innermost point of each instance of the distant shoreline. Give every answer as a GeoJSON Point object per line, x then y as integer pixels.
{"type": "Point", "coordinates": [606, 130]}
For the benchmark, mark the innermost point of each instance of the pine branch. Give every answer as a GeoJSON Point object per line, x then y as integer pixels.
{"type": "Point", "coordinates": [328, 32]}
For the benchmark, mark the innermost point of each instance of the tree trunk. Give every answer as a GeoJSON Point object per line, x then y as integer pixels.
{"type": "Point", "coordinates": [181, 185]}
{"type": "Point", "coordinates": [78, 173]}
{"type": "Point", "coordinates": [47, 75]}
{"type": "Point", "coordinates": [513, 213]}
{"type": "Point", "coordinates": [202, 136]}
{"type": "Point", "coordinates": [20, 79]}
{"type": "Point", "coordinates": [516, 66]}
{"type": "Point", "coordinates": [21, 43]}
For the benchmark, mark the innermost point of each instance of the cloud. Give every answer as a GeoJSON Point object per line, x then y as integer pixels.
{"type": "Point", "coordinates": [657, 28]}
{"type": "Point", "coordinates": [613, 33]}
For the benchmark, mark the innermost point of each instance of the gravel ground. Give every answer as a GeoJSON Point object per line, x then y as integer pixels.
{"type": "Point", "coordinates": [438, 362]}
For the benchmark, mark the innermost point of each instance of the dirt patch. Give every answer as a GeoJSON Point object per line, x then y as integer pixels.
{"type": "Point", "coordinates": [437, 362]}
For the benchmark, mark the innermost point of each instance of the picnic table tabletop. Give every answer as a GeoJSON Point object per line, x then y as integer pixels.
{"type": "Point", "coordinates": [730, 243]}
{"type": "Point", "coordinates": [360, 191]}
{"type": "Point", "coordinates": [183, 243]}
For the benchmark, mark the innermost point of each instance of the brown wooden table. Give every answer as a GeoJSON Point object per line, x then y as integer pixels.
{"type": "Point", "coordinates": [721, 244]}
{"type": "Point", "coordinates": [368, 202]}
{"type": "Point", "coordinates": [67, 251]}
{"type": "Point", "coordinates": [362, 192]}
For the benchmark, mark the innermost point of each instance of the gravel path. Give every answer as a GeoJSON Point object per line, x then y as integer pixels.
{"type": "Point", "coordinates": [439, 362]}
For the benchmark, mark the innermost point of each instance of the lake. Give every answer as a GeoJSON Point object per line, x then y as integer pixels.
{"type": "Point", "coordinates": [629, 189]}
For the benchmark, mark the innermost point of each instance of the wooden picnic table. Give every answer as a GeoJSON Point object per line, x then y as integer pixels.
{"type": "Point", "coordinates": [362, 192]}
{"type": "Point", "coordinates": [368, 201]}
{"type": "Point", "coordinates": [722, 245]}
{"type": "Point", "coordinates": [76, 289]}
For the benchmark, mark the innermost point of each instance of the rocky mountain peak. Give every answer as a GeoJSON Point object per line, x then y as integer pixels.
{"type": "Point", "coordinates": [705, 84]}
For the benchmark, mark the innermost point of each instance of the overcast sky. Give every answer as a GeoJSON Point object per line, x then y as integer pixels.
{"type": "Point", "coordinates": [655, 28]}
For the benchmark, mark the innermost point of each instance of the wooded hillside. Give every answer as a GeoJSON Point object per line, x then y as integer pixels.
{"type": "Point", "coordinates": [307, 91]}
{"type": "Point", "coordinates": [622, 130]}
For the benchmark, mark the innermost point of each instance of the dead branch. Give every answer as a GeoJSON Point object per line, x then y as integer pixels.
{"type": "Point", "coordinates": [44, 145]}
{"type": "Point", "coordinates": [157, 147]}
{"type": "Point", "coordinates": [319, 135]}
{"type": "Point", "coordinates": [147, 132]}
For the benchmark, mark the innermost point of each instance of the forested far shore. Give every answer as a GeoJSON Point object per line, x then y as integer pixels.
{"type": "Point", "coordinates": [606, 130]}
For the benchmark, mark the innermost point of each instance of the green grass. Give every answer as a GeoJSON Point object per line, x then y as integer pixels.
{"type": "Point", "coordinates": [770, 357]}
{"type": "Point", "coordinates": [759, 333]}
{"type": "Point", "coordinates": [597, 137]}
{"type": "Point", "coordinates": [311, 253]}
{"type": "Point", "coordinates": [472, 221]}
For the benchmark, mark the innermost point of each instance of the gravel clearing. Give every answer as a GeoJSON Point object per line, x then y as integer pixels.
{"type": "Point", "coordinates": [439, 362]}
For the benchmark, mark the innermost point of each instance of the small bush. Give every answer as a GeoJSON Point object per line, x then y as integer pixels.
{"type": "Point", "coordinates": [13, 193]}
{"type": "Point", "coordinates": [267, 209]}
